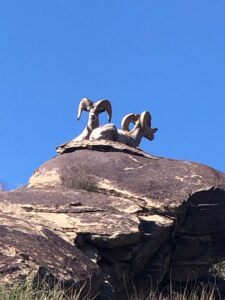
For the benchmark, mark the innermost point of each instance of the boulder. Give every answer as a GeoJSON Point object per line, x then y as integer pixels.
{"type": "Point", "coordinates": [123, 213]}
{"type": "Point", "coordinates": [40, 251]}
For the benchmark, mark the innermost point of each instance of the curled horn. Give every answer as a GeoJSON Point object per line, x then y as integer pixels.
{"type": "Point", "coordinates": [145, 121]}
{"type": "Point", "coordinates": [85, 103]}
{"type": "Point", "coordinates": [128, 119]}
{"type": "Point", "coordinates": [104, 105]}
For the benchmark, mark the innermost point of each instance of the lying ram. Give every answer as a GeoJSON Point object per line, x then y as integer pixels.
{"type": "Point", "coordinates": [142, 128]}
{"type": "Point", "coordinates": [94, 109]}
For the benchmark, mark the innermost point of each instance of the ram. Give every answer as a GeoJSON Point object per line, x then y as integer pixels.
{"type": "Point", "coordinates": [94, 109]}
{"type": "Point", "coordinates": [142, 128]}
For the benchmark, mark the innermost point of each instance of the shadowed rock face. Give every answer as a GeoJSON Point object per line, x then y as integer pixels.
{"type": "Point", "coordinates": [118, 214]}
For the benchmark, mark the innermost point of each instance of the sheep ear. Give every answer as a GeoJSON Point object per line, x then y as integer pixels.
{"type": "Point", "coordinates": [104, 105]}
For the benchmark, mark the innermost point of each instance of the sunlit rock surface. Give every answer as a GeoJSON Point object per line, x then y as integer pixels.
{"type": "Point", "coordinates": [109, 214]}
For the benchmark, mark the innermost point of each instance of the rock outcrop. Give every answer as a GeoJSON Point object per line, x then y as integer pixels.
{"type": "Point", "coordinates": [107, 214]}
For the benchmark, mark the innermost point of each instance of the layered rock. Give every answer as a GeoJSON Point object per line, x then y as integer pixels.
{"type": "Point", "coordinates": [111, 213]}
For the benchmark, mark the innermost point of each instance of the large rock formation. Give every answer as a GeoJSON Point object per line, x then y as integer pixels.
{"type": "Point", "coordinates": [105, 214]}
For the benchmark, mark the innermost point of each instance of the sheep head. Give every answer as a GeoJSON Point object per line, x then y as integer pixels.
{"type": "Point", "coordinates": [85, 104]}
{"type": "Point", "coordinates": [145, 122]}
{"type": "Point", "coordinates": [94, 109]}
{"type": "Point", "coordinates": [142, 122]}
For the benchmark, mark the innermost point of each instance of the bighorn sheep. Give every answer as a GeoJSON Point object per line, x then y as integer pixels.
{"type": "Point", "coordinates": [94, 110]}
{"type": "Point", "coordinates": [142, 128]}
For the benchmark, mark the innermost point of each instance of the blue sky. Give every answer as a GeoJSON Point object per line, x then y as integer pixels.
{"type": "Point", "coordinates": [167, 57]}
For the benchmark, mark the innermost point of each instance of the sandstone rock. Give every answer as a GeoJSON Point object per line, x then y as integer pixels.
{"type": "Point", "coordinates": [30, 249]}
{"type": "Point", "coordinates": [123, 213]}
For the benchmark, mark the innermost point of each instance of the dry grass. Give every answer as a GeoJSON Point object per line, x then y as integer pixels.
{"type": "Point", "coordinates": [205, 293]}
{"type": "Point", "coordinates": [183, 291]}
{"type": "Point", "coordinates": [27, 291]}
{"type": "Point", "coordinates": [191, 291]}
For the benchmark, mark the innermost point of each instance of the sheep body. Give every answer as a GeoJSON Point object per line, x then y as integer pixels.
{"type": "Point", "coordinates": [131, 138]}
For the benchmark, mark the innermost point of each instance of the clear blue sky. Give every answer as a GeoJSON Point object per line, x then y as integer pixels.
{"type": "Point", "coordinates": [167, 57]}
